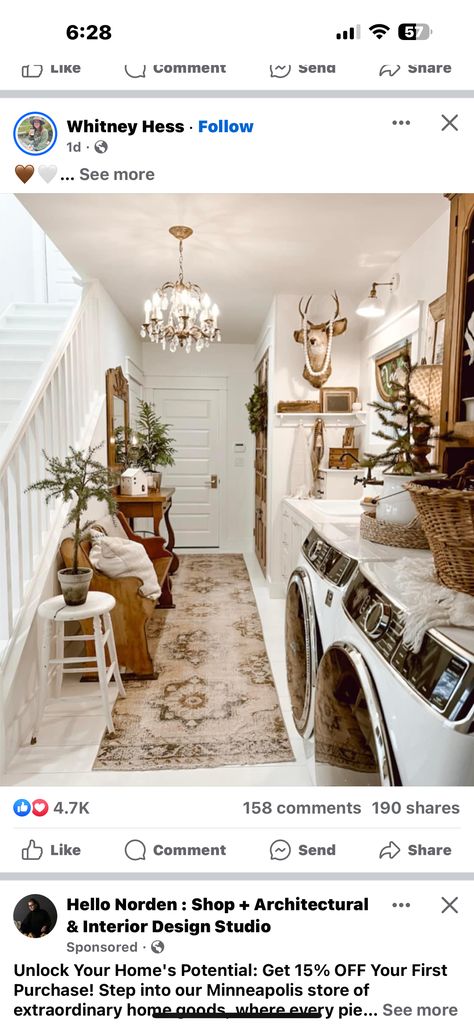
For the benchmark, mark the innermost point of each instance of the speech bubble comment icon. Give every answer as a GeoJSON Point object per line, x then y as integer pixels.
{"type": "Point", "coordinates": [135, 849]}
{"type": "Point", "coordinates": [280, 849]}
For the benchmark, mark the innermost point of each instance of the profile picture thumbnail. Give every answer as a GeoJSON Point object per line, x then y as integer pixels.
{"type": "Point", "coordinates": [35, 133]}
{"type": "Point", "coordinates": [35, 916]}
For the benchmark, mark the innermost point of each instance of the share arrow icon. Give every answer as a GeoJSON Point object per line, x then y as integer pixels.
{"type": "Point", "coordinates": [391, 850]}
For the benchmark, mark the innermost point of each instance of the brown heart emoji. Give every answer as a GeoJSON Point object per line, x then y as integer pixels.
{"type": "Point", "coordinates": [24, 172]}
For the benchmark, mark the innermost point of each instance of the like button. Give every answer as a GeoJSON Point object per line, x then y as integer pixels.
{"type": "Point", "coordinates": [32, 851]}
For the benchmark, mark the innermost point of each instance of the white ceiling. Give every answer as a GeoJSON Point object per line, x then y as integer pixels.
{"type": "Point", "coordinates": [246, 248]}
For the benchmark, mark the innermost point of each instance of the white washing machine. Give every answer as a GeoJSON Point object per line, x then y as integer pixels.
{"type": "Point", "coordinates": [328, 560]}
{"type": "Point", "coordinates": [383, 715]}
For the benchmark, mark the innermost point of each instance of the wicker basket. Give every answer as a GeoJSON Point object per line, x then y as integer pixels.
{"type": "Point", "coordinates": [406, 536]}
{"type": "Point", "coordinates": [447, 516]}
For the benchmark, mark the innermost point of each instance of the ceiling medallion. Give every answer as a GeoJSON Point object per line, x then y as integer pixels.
{"type": "Point", "coordinates": [179, 315]}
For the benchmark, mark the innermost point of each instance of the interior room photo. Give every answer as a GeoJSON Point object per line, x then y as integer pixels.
{"type": "Point", "coordinates": [237, 490]}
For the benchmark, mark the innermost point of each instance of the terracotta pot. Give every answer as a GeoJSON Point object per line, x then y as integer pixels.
{"type": "Point", "coordinates": [75, 586]}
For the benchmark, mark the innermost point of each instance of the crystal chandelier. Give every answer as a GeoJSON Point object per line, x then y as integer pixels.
{"type": "Point", "coordinates": [180, 314]}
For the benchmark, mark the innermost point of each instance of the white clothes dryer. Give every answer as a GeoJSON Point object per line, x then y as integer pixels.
{"type": "Point", "coordinates": [384, 715]}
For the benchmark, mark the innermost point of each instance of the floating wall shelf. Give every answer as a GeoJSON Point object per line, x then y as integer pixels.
{"type": "Point", "coordinates": [291, 420]}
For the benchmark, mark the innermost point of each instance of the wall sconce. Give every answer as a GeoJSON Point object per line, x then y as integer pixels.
{"type": "Point", "coordinates": [371, 305]}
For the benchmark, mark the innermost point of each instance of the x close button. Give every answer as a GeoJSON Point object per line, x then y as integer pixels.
{"type": "Point", "coordinates": [450, 904]}
{"type": "Point", "coordinates": [449, 122]}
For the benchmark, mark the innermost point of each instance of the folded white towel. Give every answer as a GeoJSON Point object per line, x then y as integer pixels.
{"type": "Point", "coordinates": [430, 604]}
{"type": "Point", "coordinates": [301, 474]}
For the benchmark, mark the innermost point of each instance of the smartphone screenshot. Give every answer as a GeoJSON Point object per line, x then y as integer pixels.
{"type": "Point", "coordinates": [236, 512]}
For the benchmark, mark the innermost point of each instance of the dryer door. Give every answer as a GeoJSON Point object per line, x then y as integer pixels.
{"type": "Point", "coordinates": [351, 745]}
{"type": "Point", "coordinates": [303, 650]}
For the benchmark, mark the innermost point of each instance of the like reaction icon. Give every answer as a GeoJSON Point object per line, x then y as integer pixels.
{"type": "Point", "coordinates": [32, 851]}
{"type": "Point", "coordinates": [22, 807]}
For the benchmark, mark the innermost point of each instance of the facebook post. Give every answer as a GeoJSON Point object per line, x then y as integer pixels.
{"type": "Point", "coordinates": [236, 510]}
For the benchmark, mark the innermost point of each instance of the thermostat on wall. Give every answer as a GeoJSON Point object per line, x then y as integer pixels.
{"type": "Point", "coordinates": [239, 448]}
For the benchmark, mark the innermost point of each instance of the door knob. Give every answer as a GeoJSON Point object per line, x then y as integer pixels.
{"type": "Point", "coordinates": [213, 481]}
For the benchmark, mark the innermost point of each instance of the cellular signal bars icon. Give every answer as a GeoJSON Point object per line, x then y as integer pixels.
{"type": "Point", "coordinates": [352, 33]}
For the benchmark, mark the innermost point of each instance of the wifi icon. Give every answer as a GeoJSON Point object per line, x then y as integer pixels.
{"type": "Point", "coordinates": [379, 30]}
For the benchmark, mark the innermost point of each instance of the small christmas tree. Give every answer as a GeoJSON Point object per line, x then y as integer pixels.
{"type": "Point", "coordinates": [154, 445]}
{"type": "Point", "coordinates": [406, 426]}
{"type": "Point", "coordinates": [77, 479]}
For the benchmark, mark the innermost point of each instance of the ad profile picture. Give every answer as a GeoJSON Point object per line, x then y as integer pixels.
{"type": "Point", "coordinates": [35, 916]}
{"type": "Point", "coordinates": [35, 132]}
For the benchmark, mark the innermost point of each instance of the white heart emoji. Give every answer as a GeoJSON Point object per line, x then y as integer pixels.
{"type": "Point", "coordinates": [47, 172]}
{"type": "Point", "coordinates": [39, 806]}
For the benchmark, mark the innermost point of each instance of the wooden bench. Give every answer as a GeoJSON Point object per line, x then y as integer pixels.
{"type": "Point", "coordinates": [132, 610]}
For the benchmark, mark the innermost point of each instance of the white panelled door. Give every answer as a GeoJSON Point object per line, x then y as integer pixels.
{"type": "Point", "coordinates": [195, 418]}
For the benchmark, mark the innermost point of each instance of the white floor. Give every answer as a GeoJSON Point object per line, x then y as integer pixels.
{"type": "Point", "coordinates": [72, 728]}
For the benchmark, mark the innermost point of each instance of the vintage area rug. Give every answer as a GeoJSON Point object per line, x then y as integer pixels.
{"type": "Point", "coordinates": [214, 702]}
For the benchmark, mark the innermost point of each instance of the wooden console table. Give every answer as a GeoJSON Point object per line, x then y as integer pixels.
{"type": "Point", "coordinates": [155, 505]}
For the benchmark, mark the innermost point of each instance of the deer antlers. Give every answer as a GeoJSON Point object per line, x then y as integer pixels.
{"type": "Point", "coordinates": [304, 314]}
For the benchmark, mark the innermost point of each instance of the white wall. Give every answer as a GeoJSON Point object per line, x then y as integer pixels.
{"type": "Point", "coordinates": [119, 338]}
{"type": "Point", "coordinates": [423, 273]}
{"type": "Point", "coordinates": [287, 383]}
{"type": "Point", "coordinates": [33, 269]}
{"type": "Point", "coordinates": [22, 255]}
{"type": "Point", "coordinates": [235, 363]}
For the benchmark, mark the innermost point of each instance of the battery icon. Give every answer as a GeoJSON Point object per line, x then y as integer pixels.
{"type": "Point", "coordinates": [414, 30]}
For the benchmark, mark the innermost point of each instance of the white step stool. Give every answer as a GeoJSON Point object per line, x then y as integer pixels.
{"type": "Point", "coordinates": [55, 613]}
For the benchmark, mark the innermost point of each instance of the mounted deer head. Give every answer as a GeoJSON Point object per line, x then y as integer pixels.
{"type": "Point", "coordinates": [317, 342]}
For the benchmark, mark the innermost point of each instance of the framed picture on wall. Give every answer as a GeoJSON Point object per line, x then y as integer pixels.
{"type": "Point", "coordinates": [338, 401]}
{"type": "Point", "coordinates": [435, 330]}
{"type": "Point", "coordinates": [387, 365]}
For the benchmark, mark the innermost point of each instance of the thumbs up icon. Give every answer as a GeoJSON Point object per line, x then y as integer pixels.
{"type": "Point", "coordinates": [32, 851]}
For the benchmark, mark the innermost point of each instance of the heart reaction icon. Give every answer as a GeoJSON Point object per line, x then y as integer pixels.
{"type": "Point", "coordinates": [39, 807]}
{"type": "Point", "coordinates": [24, 172]}
{"type": "Point", "coordinates": [47, 172]}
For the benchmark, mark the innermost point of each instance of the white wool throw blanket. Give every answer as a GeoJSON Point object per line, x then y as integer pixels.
{"type": "Point", "coordinates": [123, 558]}
{"type": "Point", "coordinates": [430, 604]}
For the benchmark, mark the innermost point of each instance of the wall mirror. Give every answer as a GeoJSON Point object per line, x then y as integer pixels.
{"type": "Point", "coordinates": [117, 412]}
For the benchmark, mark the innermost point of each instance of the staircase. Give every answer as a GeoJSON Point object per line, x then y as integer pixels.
{"type": "Point", "coordinates": [29, 333]}
{"type": "Point", "coordinates": [51, 397]}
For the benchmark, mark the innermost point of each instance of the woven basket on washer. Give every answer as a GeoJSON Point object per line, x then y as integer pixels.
{"type": "Point", "coordinates": [447, 516]}
{"type": "Point", "coordinates": [406, 536]}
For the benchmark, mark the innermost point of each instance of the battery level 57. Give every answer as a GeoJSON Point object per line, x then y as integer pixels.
{"type": "Point", "coordinates": [414, 30]}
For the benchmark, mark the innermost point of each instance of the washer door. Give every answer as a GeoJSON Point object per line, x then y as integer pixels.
{"type": "Point", "coordinates": [350, 741]}
{"type": "Point", "coordinates": [303, 650]}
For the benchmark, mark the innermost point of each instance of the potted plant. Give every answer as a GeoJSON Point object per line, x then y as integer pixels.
{"type": "Point", "coordinates": [257, 407]}
{"type": "Point", "coordinates": [406, 426]}
{"type": "Point", "coordinates": [153, 444]}
{"type": "Point", "coordinates": [77, 479]}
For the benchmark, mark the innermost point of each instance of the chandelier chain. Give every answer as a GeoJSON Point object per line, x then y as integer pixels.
{"type": "Point", "coordinates": [181, 261]}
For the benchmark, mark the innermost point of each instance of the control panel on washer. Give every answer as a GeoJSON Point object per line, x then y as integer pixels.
{"type": "Point", "coordinates": [327, 560]}
{"type": "Point", "coordinates": [441, 676]}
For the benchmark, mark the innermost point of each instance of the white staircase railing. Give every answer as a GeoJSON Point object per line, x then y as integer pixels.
{"type": "Point", "coordinates": [58, 416]}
